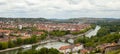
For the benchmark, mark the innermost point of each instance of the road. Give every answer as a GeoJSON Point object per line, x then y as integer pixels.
{"type": "Point", "coordinates": [46, 41]}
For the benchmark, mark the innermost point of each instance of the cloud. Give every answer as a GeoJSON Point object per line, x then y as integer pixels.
{"type": "Point", "coordinates": [59, 8]}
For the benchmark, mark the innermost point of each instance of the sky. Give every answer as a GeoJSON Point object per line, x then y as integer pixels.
{"type": "Point", "coordinates": [60, 8]}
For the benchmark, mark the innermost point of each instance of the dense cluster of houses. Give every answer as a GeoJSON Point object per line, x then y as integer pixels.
{"type": "Point", "coordinates": [107, 47]}
{"type": "Point", "coordinates": [46, 26]}
{"type": "Point", "coordinates": [7, 25]}
{"type": "Point", "coordinates": [14, 25]}
{"type": "Point", "coordinates": [6, 35]}
{"type": "Point", "coordinates": [75, 48]}
{"type": "Point", "coordinates": [71, 48]}
{"type": "Point", "coordinates": [62, 26]}
{"type": "Point", "coordinates": [40, 26]}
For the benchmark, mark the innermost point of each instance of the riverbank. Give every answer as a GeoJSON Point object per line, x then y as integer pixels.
{"type": "Point", "coordinates": [10, 49]}
{"type": "Point", "coordinates": [92, 32]}
{"type": "Point", "coordinates": [34, 44]}
{"type": "Point", "coordinates": [38, 43]}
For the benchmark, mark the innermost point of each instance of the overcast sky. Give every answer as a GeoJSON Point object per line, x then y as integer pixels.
{"type": "Point", "coordinates": [60, 8]}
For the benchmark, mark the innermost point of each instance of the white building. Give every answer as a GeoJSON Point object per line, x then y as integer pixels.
{"type": "Point", "coordinates": [65, 49]}
{"type": "Point", "coordinates": [77, 47]}
{"type": "Point", "coordinates": [74, 48]}
{"type": "Point", "coordinates": [20, 26]}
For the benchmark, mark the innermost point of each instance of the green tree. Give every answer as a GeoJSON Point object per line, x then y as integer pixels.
{"type": "Point", "coordinates": [53, 51]}
{"type": "Point", "coordinates": [44, 50]}
{"type": "Point", "coordinates": [43, 36]}
{"type": "Point", "coordinates": [19, 41]}
{"type": "Point", "coordinates": [34, 39]}
{"type": "Point", "coordinates": [11, 44]}
{"type": "Point", "coordinates": [4, 45]}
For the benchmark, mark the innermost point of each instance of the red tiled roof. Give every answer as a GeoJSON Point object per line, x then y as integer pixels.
{"type": "Point", "coordinates": [65, 47]}
{"type": "Point", "coordinates": [77, 44]}
{"type": "Point", "coordinates": [4, 30]}
{"type": "Point", "coordinates": [84, 51]}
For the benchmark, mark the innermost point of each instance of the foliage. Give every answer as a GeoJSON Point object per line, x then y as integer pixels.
{"type": "Point", "coordinates": [58, 33]}
{"type": "Point", "coordinates": [41, 51]}
{"type": "Point", "coordinates": [3, 45]}
{"type": "Point", "coordinates": [11, 44]}
{"type": "Point", "coordinates": [96, 40]}
{"type": "Point", "coordinates": [114, 52]}
{"type": "Point", "coordinates": [81, 31]}
{"type": "Point", "coordinates": [43, 36]}
{"type": "Point", "coordinates": [108, 27]}
{"type": "Point", "coordinates": [107, 34]}
{"type": "Point", "coordinates": [19, 41]}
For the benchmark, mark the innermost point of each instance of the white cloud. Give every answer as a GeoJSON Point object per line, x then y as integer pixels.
{"type": "Point", "coordinates": [60, 8]}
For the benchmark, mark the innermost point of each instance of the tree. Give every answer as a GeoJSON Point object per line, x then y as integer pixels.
{"type": "Point", "coordinates": [43, 36]}
{"type": "Point", "coordinates": [0, 45]}
{"type": "Point", "coordinates": [10, 44]}
{"type": "Point", "coordinates": [43, 50]}
{"type": "Point", "coordinates": [33, 39]}
{"type": "Point", "coordinates": [58, 33]}
{"type": "Point", "coordinates": [19, 41]}
{"type": "Point", "coordinates": [53, 51]}
{"type": "Point", "coordinates": [82, 40]}
{"type": "Point", "coordinates": [4, 45]}
{"type": "Point", "coordinates": [27, 41]}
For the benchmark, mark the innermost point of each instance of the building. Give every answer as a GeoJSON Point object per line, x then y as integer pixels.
{"type": "Point", "coordinates": [65, 49]}
{"type": "Point", "coordinates": [71, 48]}
{"type": "Point", "coordinates": [62, 26]}
{"type": "Point", "coordinates": [84, 51]}
{"type": "Point", "coordinates": [20, 26]}
{"type": "Point", "coordinates": [77, 47]}
{"type": "Point", "coordinates": [108, 47]}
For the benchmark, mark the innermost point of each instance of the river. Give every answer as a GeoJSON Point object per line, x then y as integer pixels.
{"type": "Point", "coordinates": [56, 45]}
{"type": "Point", "coordinates": [93, 32]}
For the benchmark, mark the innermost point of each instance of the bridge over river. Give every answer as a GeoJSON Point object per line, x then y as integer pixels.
{"type": "Point", "coordinates": [56, 39]}
{"type": "Point", "coordinates": [90, 33]}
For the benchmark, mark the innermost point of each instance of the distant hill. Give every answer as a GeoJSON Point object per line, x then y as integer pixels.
{"type": "Point", "coordinates": [92, 20]}
{"type": "Point", "coordinates": [30, 20]}
{"type": "Point", "coordinates": [72, 20]}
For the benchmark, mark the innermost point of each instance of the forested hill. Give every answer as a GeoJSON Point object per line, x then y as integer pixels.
{"type": "Point", "coordinates": [71, 20]}
{"type": "Point", "coordinates": [25, 19]}
{"type": "Point", "coordinates": [92, 20]}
